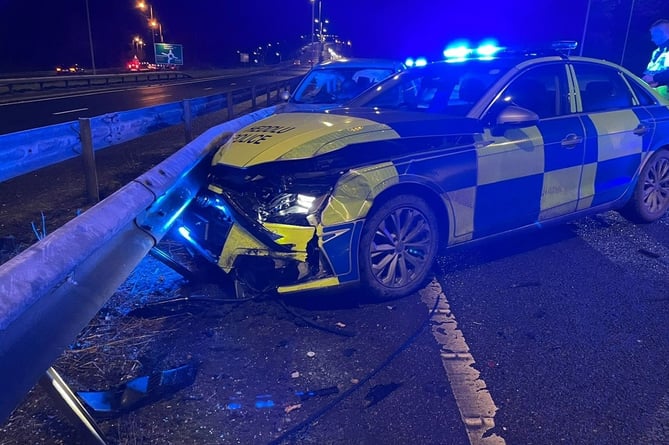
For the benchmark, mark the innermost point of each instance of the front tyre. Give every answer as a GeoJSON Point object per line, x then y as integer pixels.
{"type": "Point", "coordinates": [650, 199]}
{"type": "Point", "coordinates": [398, 246]}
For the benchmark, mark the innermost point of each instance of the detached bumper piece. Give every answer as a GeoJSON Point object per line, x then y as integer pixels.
{"type": "Point", "coordinates": [140, 391]}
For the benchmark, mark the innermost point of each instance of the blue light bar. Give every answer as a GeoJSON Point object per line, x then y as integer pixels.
{"type": "Point", "coordinates": [488, 50]}
{"type": "Point", "coordinates": [411, 62]}
{"type": "Point", "coordinates": [421, 61]}
{"type": "Point", "coordinates": [457, 52]}
{"type": "Point", "coordinates": [461, 50]}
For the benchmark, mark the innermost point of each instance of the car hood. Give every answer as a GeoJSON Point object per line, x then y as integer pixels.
{"type": "Point", "coordinates": [292, 107]}
{"type": "Point", "coordinates": [298, 136]}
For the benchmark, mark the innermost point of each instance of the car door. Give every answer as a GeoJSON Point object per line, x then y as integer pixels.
{"type": "Point", "coordinates": [615, 130]}
{"type": "Point", "coordinates": [527, 174]}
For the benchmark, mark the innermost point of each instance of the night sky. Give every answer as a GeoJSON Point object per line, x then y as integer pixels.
{"type": "Point", "coordinates": [39, 34]}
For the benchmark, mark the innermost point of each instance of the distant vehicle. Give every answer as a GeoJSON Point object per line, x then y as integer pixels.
{"type": "Point", "coordinates": [334, 82]}
{"type": "Point", "coordinates": [136, 65]}
{"type": "Point", "coordinates": [70, 69]}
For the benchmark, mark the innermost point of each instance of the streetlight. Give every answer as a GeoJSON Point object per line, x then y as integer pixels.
{"type": "Point", "coordinates": [313, 28]}
{"type": "Point", "coordinates": [138, 44]}
{"type": "Point", "coordinates": [320, 21]}
{"type": "Point", "coordinates": [90, 37]}
{"type": "Point", "coordinates": [153, 22]}
{"type": "Point", "coordinates": [313, 19]}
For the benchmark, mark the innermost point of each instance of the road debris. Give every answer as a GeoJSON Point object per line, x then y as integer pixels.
{"type": "Point", "coordinates": [380, 392]}
{"type": "Point", "coordinates": [306, 395]}
{"type": "Point", "coordinates": [140, 391]}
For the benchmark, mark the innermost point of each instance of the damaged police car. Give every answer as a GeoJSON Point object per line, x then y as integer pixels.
{"type": "Point", "coordinates": [438, 155]}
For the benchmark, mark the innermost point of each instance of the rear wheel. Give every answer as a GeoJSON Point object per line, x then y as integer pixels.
{"type": "Point", "coordinates": [650, 199]}
{"type": "Point", "coordinates": [398, 246]}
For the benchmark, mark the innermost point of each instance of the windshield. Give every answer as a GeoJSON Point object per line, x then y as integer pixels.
{"type": "Point", "coordinates": [336, 85]}
{"type": "Point", "coordinates": [449, 88]}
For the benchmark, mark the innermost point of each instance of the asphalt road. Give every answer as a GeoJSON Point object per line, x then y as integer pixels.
{"type": "Point", "coordinates": [569, 329]}
{"type": "Point", "coordinates": [22, 112]}
{"type": "Point", "coordinates": [555, 336]}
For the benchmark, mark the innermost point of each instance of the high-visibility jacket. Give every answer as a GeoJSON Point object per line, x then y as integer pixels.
{"type": "Point", "coordinates": [658, 67]}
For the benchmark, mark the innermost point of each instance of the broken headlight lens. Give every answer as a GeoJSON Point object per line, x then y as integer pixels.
{"type": "Point", "coordinates": [291, 208]}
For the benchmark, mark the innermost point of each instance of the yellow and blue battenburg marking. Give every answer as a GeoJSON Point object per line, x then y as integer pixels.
{"type": "Point", "coordinates": [488, 183]}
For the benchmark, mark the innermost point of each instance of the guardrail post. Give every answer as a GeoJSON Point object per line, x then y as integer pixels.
{"type": "Point", "coordinates": [88, 155]}
{"type": "Point", "coordinates": [67, 401]}
{"type": "Point", "coordinates": [230, 113]}
{"type": "Point", "coordinates": [188, 121]}
{"type": "Point", "coordinates": [253, 97]}
{"type": "Point", "coordinates": [269, 92]}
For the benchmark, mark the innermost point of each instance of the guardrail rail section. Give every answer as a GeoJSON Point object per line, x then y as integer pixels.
{"type": "Point", "coordinates": [50, 291]}
{"type": "Point", "coordinates": [26, 151]}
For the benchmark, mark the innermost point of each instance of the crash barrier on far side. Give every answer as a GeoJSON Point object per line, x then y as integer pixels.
{"type": "Point", "coordinates": [23, 84]}
{"type": "Point", "coordinates": [25, 151]}
{"type": "Point", "coordinates": [50, 291]}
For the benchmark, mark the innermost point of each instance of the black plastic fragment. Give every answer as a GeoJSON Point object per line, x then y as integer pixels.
{"type": "Point", "coordinates": [140, 391]}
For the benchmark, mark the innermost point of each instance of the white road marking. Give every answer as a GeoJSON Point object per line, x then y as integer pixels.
{"type": "Point", "coordinates": [477, 409]}
{"type": "Point", "coordinates": [69, 111]}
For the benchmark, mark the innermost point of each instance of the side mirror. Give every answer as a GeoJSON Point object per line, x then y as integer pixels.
{"type": "Point", "coordinates": [514, 116]}
{"type": "Point", "coordinates": [285, 95]}
{"type": "Point", "coordinates": [518, 116]}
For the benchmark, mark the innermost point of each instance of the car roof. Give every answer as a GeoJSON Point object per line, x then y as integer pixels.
{"type": "Point", "coordinates": [360, 63]}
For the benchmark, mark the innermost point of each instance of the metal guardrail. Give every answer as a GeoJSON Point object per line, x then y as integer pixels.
{"type": "Point", "coordinates": [24, 84]}
{"type": "Point", "coordinates": [25, 151]}
{"type": "Point", "coordinates": [50, 291]}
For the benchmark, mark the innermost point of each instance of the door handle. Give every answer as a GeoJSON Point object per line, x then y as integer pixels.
{"type": "Point", "coordinates": [571, 140]}
{"type": "Point", "coordinates": [640, 130]}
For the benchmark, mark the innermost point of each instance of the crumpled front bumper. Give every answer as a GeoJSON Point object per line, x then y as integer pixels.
{"type": "Point", "coordinates": [263, 256]}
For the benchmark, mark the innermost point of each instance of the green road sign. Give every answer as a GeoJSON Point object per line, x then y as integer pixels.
{"type": "Point", "coordinates": [169, 53]}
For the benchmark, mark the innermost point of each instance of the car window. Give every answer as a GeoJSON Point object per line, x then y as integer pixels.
{"type": "Point", "coordinates": [602, 88]}
{"type": "Point", "coordinates": [337, 85]}
{"type": "Point", "coordinates": [643, 96]}
{"type": "Point", "coordinates": [446, 89]}
{"type": "Point", "coordinates": [543, 90]}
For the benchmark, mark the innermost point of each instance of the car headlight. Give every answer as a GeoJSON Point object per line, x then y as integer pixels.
{"type": "Point", "coordinates": [291, 208]}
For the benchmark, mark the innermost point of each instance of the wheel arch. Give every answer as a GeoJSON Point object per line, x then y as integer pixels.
{"type": "Point", "coordinates": [632, 209]}
{"type": "Point", "coordinates": [429, 195]}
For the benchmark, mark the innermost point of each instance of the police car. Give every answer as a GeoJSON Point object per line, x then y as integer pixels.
{"type": "Point", "coordinates": [439, 155]}
{"type": "Point", "coordinates": [336, 81]}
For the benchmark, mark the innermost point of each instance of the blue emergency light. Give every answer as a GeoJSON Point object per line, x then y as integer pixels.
{"type": "Point", "coordinates": [460, 50]}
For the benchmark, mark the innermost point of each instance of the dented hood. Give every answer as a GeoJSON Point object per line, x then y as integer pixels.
{"type": "Point", "coordinates": [298, 136]}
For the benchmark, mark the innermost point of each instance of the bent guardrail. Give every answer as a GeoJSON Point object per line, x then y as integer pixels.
{"type": "Point", "coordinates": [50, 291]}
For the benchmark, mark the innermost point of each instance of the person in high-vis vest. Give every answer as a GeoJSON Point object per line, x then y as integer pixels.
{"type": "Point", "coordinates": [657, 71]}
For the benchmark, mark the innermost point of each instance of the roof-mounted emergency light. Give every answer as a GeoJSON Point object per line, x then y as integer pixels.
{"type": "Point", "coordinates": [459, 51]}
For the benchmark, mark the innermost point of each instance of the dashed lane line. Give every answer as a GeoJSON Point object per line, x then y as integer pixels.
{"type": "Point", "coordinates": [477, 409]}
{"type": "Point", "coordinates": [69, 111]}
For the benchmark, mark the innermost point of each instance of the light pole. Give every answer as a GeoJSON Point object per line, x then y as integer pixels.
{"type": "Point", "coordinates": [153, 24]}
{"type": "Point", "coordinates": [313, 20]}
{"type": "Point", "coordinates": [138, 45]}
{"type": "Point", "coordinates": [585, 28]}
{"type": "Point", "coordinates": [320, 21]}
{"type": "Point", "coordinates": [312, 29]}
{"type": "Point", "coordinates": [90, 37]}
